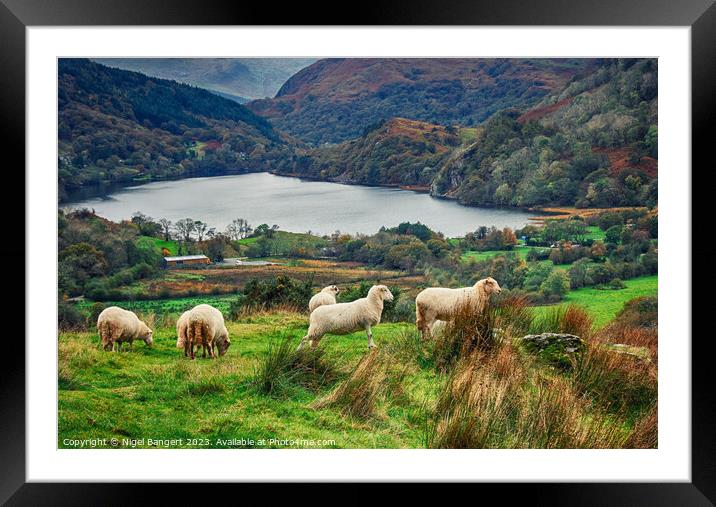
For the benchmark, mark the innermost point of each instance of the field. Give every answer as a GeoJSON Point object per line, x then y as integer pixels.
{"type": "Point", "coordinates": [155, 397]}
{"type": "Point", "coordinates": [603, 305]}
{"type": "Point", "coordinates": [217, 280]}
{"type": "Point", "coordinates": [520, 250]}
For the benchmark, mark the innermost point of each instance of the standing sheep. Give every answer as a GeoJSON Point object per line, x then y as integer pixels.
{"type": "Point", "coordinates": [327, 296]}
{"type": "Point", "coordinates": [116, 325]}
{"type": "Point", "coordinates": [442, 303]}
{"type": "Point", "coordinates": [204, 325]}
{"type": "Point", "coordinates": [345, 318]}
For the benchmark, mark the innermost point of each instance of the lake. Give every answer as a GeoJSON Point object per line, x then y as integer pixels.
{"type": "Point", "coordinates": [296, 205]}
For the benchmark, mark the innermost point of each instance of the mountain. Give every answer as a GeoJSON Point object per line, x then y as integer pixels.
{"type": "Point", "coordinates": [591, 144]}
{"type": "Point", "coordinates": [394, 152]}
{"type": "Point", "coordinates": [243, 79]}
{"type": "Point", "coordinates": [117, 126]}
{"type": "Point", "coordinates": [333, 100]}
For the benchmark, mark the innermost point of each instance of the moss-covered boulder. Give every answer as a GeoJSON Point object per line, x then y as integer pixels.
{"type": "Point", "coordinates": [556, 349]}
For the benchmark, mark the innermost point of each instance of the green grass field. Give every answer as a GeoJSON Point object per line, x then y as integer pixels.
{"type": "Point", "coordinates": [171, 245]}
{"type": "Point", "coordinates": [481, 256]}
{"type": "Point", "coordinates": [603, 305]}
{"type": "Point", "coordinates": [596, 233]}
{"type": "Point", "coordinates": [169, 305]}
{"type": "Point", "coordinates": [158, 393]}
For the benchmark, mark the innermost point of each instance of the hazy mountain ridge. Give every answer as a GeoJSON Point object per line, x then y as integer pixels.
{"type": "Point", "coordinates": [247, 78]}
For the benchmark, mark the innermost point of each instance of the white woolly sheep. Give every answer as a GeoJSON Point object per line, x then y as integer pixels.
{"type": "Point", "coordinates": [345, 318]}
{"type": "Point", "coordinates": [181, 329]}
{"type": "Point", "coordinates": [442, 303]}
{"type": "Point", "coordinates": [327, 296]}
{"type": "Point", "coordinates": [205, 326]}
{"type": "Point", "coordinates": [116, 325]}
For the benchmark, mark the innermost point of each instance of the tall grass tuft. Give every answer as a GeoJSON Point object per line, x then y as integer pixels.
{"type": "Point", "coordinates": [359, 395]}
{"type": "Point", "coordinates": [514, 314]}
{"type": "Point", "coordinates": [471, 330]}
{"type": "Point", "coordinates": [284, 368]}
{"type": "Point", "coordinates": [478, 404]}
{"type": "Point", "coordinates": [645, 434]}
{"type": "Point", "coordinates": [564, 319]}
{"type": "Point", "coordinates": [617, 381]}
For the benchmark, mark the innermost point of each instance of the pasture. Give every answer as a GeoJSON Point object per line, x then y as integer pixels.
{"type": "Point", "coordinates": [260, 395]}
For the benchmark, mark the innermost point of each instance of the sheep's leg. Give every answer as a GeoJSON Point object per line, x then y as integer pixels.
{"type": "Point", "coordinates": [304, 341]}
{"type": "Point", "coordinates": [203, 350]}
{"type": "Point", "coordinates": [369, 332]}
{"type": "Point", "coordinates": [191, 351]}
{"type": "Point", "coordinates": [211, 350]}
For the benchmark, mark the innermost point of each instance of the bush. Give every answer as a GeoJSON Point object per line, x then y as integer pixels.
{"type": "Point", "coordinates": [266, 294]}
{"type": "Point", "coordinates": [69, 318]}
{"type": "Point", "coordinates": [94, 312]}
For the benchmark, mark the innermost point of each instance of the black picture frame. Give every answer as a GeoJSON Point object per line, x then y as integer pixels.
{"type": "Point", "coordinates": [700, 15]}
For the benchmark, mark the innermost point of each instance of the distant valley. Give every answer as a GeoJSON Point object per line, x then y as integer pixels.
{"type": "Point", "coordinates": [485, 132]}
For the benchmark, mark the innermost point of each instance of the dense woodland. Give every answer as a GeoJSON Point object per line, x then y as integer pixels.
{"type": "Point", "coordinates": [117, 126]}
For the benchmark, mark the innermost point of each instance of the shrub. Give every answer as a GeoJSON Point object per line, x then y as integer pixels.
{"type": "Point", "coordinates": [94, 312]}
{"type": "Point", "coordinates": [69, 318]}
{"type": "Point", "coordinates": [267, 294]}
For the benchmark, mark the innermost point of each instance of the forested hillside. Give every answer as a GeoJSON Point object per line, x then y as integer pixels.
{"type": "Point", "coordinates": [590, 143]}
{"type": "Point", "coordinates": [397, 151]}
{"type": "Point", "coordinates": [593, 143]}
{"type": "Point", "coordinates": [117, 126]}
{"type": "Point", "coordinates": [336, 99]}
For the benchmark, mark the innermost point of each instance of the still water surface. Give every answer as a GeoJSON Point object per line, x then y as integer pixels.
{"type": "Point", "coordinates": [296, 205]}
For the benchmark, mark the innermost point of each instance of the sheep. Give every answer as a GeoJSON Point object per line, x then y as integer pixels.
{"type": "Point", "coordinates": [204, 326]}
{"type": "Point", "coordinates": [327, 296]}
{"type": "Point", "coordinates": [181, 329]}
{"type": "Point", "coordinates": [441, 303]}
{"type": "Point", "coordinates": [116, 325]}
{"type": "Point", "coordinates": [345, 318]}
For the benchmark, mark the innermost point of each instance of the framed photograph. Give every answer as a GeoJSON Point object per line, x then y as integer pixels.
{"type": "Point", "coordinates": [429, 246]}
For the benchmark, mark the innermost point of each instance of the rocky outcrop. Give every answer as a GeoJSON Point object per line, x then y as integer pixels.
{"type": "Point", "coordinates": [557, 349]}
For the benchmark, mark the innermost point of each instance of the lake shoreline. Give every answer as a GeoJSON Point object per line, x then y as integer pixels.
{"type": "Point", "coordinates": [103, 190]}
{"type": "Point", "coordinates": [296, 205]}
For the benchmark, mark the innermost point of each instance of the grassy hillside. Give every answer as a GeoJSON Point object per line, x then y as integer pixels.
{"type": "Point", "coordinates": [344, 397]}
{"type": "Point", "coordinates": [604, 304]}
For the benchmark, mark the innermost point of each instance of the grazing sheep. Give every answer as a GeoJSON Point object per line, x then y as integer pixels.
{"type": "Point", "coordinates": [345, 318]}
{"type": "Point", "coordinates": [181, 329]}
{"type": "Point", "coordinates": [327, 296]}
{"type": "Point", "coordinates": [116, 325]}
{"type": "Point", "coordinates": [441, 303]}
{"type": "Point", "coordinates": [205, 326]}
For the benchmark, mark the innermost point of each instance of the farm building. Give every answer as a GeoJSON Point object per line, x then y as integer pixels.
{"type": "Point", "coordinates": [184, 260]}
